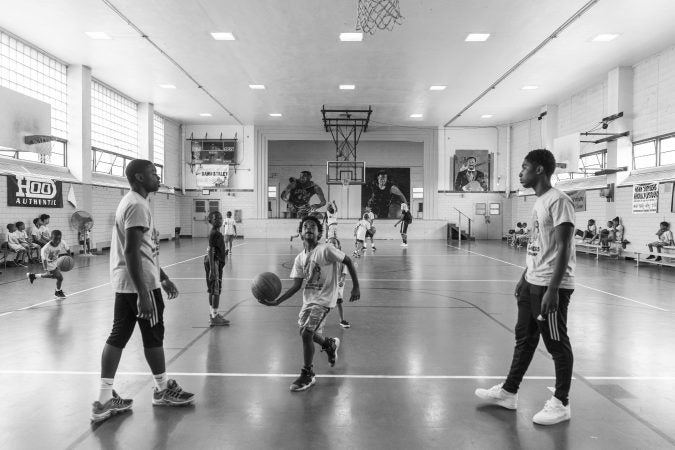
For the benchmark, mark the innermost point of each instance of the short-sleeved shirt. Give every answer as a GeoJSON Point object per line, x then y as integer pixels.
{"type": "Point", "coordinates": [23, 236]}
{"type": "Point", "coordinates": [361, 229]}
{"type": "Point", "coordinates": [666, 237]}
{"type": "Point", "coordinates": [229, 226]}
{"type": "Point", "coordinates": [619, 232]}
{"type": "Point", "coordinates": [553, 208]}
{"type": "Point", "coordinates": [50, 254]}
{"type": "Point", "coordinates": [44, 232]}
{"type": "Point", "coordinates": [217, 243]}
{"type": "Point", "coordinates": [134, 212]}
{"type": "Point", "coordinates": [320, 269]}
{"type": "Point", "coordinates": [14, 237]}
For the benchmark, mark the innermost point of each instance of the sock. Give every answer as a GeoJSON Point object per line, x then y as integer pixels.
{"type": "Point", "coordinates": [161, 380]}
{"type": "Point", "coordinates": [214, 312]}
{"type": "Point", "coordinates": [105, 390]}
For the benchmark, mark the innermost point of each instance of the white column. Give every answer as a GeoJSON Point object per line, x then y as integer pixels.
{"type": "Point", "coordinates": [146, 127]}
{"type": "Point", "coordinates": [79, 122]}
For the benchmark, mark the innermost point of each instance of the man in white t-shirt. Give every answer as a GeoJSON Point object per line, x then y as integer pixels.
{"type": "Point", "coordinates": [543, 292]}
{"type": "Point", "coordinates": [320, 265]}
{"type": "Point", "coordinates": [229, 232]}
{"type": "Point", "coordinates": [136, 278]}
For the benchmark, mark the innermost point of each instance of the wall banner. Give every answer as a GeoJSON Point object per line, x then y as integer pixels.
{"type": "Point", "coordinates": [34, 192]}
{"type": "Point", "coordinates": [579, 200]}
{"type": "Point", "coordinates": [645, 198]}
{"type": "Point", "coordinates": [213, 175]}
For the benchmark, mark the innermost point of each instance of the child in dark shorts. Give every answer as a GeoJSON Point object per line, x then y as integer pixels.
{"type": "Point", "coordinates": [214, 261]}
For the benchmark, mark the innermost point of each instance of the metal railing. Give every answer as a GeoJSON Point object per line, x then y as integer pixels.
{"type": "Point", "coordinates": [459, 226]}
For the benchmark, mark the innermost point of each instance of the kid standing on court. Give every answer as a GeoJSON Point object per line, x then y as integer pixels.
{"type": "Point", "coordinates": [543, 293]}
{"type": "Point", "coordinates": [405, 220]}
{"type": "Point", "coordinates": [50, 254]}
{"type": "Point", "coordinates": [331, 221]}
{"type": "Point", "coordinates": [341, 285]}
{"type": "Point", "coordinates": [319, 265]}
{"type": "Point", "coordinates": [230, 231]}
{"type": "Point", "coordinates": [214, 261]}
{"type": "Point", "coordinates": [360, 231]}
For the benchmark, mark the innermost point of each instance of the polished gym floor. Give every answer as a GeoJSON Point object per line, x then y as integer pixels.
{"type": "Point", "coordinates": [434, 323]}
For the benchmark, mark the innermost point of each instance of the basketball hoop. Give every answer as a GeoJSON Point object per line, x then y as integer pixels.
{"type": "Point", "coordinates": [40, 144]}
{"type": "Point", "coordinates": [377, 14]}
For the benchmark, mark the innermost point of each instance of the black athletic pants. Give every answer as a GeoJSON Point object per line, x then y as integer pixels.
{"type": "Point", "coordinates": [554, 332]}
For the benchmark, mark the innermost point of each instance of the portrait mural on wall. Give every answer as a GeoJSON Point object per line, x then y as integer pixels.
{"type": "Point", "coordinates": [471, 170]}
{"type": "Point", "coordinates": [300, 192]}
{"type": "Point", "coordinates": [385, 190]}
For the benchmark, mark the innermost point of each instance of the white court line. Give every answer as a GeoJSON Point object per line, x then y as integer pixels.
{"type": "Point", "coordinates": [374, 279]}
{"type": "Point", "coordinates": [90, 289]}
{"type": "Point", "coordinates": [578, 284]}
{"type": "Point", "coordinates": [354, 376]}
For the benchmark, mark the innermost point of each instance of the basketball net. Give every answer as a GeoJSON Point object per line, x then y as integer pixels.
{"type": "Point", "coordinates": [377, 14]}
{"type": "Point", "coordinates": [42, 145]}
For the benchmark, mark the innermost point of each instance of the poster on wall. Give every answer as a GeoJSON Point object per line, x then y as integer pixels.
{"type": "Point", "coordinates": [578, 199]}
{"type": "Point", "coordinates": [31, 191]}
{"type": "Point", "coordinates": [213, 175]}
{"type": "Point", "coordinates": [385, 189]}
{"type": "Point", "coordinates": [645, 198]}
{"type": "Point", "coordinates": [471, 170]}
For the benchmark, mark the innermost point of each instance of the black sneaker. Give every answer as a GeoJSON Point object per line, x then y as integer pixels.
{"type": "Point", "coordinates": [651, 257]}
{"type": "Point", "coordinates": [345, 324]}
{"type": "Point", "coordinates": [304, 381]}
{"type": "Point", "coordinates": [31, 277]}
{"type": "Point", "coordinates": [331, 349]}
{"type": "Point", "coordinates": [658, 258]}
{"type": "Point", "coordinates": [59, 294]}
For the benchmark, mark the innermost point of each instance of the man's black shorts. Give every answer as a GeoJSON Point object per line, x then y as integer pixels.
{"type": "Point", "coordinates": [124, 321]}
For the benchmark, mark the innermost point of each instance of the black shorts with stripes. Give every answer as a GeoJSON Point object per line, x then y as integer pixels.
{"type": "Point", "coordinates": [124, 321]}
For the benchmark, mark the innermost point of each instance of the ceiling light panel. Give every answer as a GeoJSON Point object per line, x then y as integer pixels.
{"type": "Point", "coordinates": [275, 114]}
{"type": "Point", "coordinates": [416, 116]}
{"type": "Point", "coordinates": [257, 87]}
{"type": "Point", "coordinates": [167, 86]}
{"type": "Point", "coordinates": [347, 87]}
{"type": "Point", "coordinates": [437, 87]}
{"type": "Point", "coordinates": [486, 116]}
{"type": "Point", "coordinates": [477, 37]}
{"type": "Point", "coordinates": [351, 37]}
{"type": "Point", "coordinates": [223, 36]}
{"type": "Point", "coordinates": [606, 37]}
{"type": "Point", "coordinates": [98, 35]}
{"type": "Point", "coordinates": [529, 87]}
{"type": "Point", "coordinates": [205, 114]}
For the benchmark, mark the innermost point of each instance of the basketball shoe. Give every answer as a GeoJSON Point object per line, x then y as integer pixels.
{"type": "Point", "coordinates": [218, 320]}
{"type": "Point", "coordinates": [304, 381]}
{"type": "Point", "coordinates": [31, 277]}
{"type": "Point", "coordinates": [498, 396]}
{"type": "Point", "coordinates": [331, 349]}
{"type": "Point", "coordinates": [554, 412]}
{"type": "Point", "coordinates": [173, 395]}
{"type": "Point", "coordinates": [117, 404]}
{"type": "Point", "coordinates": [345, 324]}
{"type": "Point", "coordinates": [59, 294]}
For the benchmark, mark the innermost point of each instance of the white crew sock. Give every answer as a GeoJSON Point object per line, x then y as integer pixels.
{"type": "Point", "coordinates": [214, 312]}
{"type": "Point", "coordinates": [105, 390]}
{"type": "Point", "coordinates": [161, 380]}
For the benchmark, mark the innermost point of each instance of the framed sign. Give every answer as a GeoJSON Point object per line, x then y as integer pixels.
{"type": "Point", "coordinates": [31, 191]}
{"type": "Point", "coordinates": [645, 198]}
{"type": "Point", "coordinates": [471, 170]}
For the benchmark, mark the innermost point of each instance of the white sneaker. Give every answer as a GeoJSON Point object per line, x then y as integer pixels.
{"type": "Point", "coordinates": [554, 412]}
{"type": "Point", "coordinates": [498, 396]}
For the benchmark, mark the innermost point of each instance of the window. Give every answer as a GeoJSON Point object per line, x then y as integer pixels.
{"type": "Point", "coordinates": [160, 172]}
{"type": "Point", "coordinates": [654, 152]}
{"type": "Point", "coordinates": [31, 72]}
{"type": "Point", "coordinates": [644, 154]}
{"type": "Point", "coordinates": [667, 151]}
{"type": "Point", "coordinates": [495, 209]}
{"type": "Point", "coordinates": [108, 162]}
{"type": "Point", "coordinates": [271, 192]}
{"type": "Point", "coordinates": [592, 162]}
{"type": "Point", "coordinates": [158, 140]}
{"type": "Point", "coordinates": [418, 193]}
{"type": "Point", "coordinates": [114, 122]}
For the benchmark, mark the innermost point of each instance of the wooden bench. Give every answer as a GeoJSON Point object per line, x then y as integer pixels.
{"type": "Point", "coordinates": [667, 257]}
{"type": "Point", "coordinates": [596, 249]}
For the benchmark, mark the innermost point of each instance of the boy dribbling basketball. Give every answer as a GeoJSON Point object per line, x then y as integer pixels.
{"type": "Point", "coordinates": [50, 254]}
{"type": "Point", "coordinates": [320, 266]}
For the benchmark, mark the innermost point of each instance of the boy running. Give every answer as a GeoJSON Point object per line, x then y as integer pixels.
{"type": "Point", "coordinates": [50, 254]}
{"type": "Point", "coordinates": [230, 231]}
{"type": "Point", "coordinates": [360, 231]}
{"type": "Point", "coordinates": [214, 262]}
{"type": "Point", "coordinates": [319, 265]}
{"type": "Point", "coordinates": [543, 293]}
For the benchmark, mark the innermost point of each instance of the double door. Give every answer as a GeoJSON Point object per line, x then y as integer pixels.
{"type": "Point", "coordinates": [200, 212]}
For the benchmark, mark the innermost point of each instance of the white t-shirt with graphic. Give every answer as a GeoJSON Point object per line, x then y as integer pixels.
{"type": "Point", "coordinates": [228, 226]}
{"type": "Point", "coordinates": [331, 218]}
{"type": "Point", "coordinates": [666, 237]}
{"type": "Point", "coordinates": [134, 211]}
{"type": "Point", "coordinates": [50, 254]}
{"type": "Point", "coordinates": [321, 270]}
{"type": "Point", "coordinates": [550, 210]}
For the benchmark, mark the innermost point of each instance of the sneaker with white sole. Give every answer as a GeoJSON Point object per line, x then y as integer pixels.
{"type": "Point", "coordinates": [498, 396]}
{"type": "Point", "coordinates": [345, 324]}
{"type": "Point", "coordinates": [554, 412]}
{"type": "Point", "coordinates": [218, 321]}
{"type": "Point", "coordinates": [304, 381]}
{"type": "Point", "coordinates": [117, 404]}
{"type": "Point", "coordinates": [331, 349]}
{"type": "Point", "coordinates": [173, 395]}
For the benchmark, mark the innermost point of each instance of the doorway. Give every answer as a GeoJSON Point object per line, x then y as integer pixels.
{"type": "Point", "coordinates": [200, 211]}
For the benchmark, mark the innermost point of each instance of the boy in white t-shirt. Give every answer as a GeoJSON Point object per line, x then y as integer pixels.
{"type": "Point", "coordinates": [543, 292]}
{"type": "Point", "coordinates": [331, 220]}
{"type": "Point", "coordinates": [360, 231]}
{"type": "Point", "coordinates": [230, 232]}
{"type": "Point", "coordinates": [31, 247]}
{"type": "Point", "coordinates": [15, 245]}
{"type": "Point", "coordinates": [45, 233]}
{"type": "Point", "coordinates": [665, 238]}
{"type": "Point", "coordinates": [319, 265]}
{"type": "Point", "coordinates": [50, 254]}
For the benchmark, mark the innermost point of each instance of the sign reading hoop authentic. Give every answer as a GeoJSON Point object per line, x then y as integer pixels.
{"type": "Point", "coordinates": [31, 191]}
{"type": "Point", "coordinates": [645, 198]}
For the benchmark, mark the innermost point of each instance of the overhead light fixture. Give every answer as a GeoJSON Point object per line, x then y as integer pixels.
{"type": "Point", "coordinates": [477, 37]}
{"type": "Point", "coordinates": [351, 37]}
{"type": "Point", "coordinates": [605, 37]}
{"type": "Point", "coordinates": [275, 114]}
{"type": "Point", "coordinates": [437, 88]}
{"type": "Point", "coordinates": [529, 87]}
{"type": "Point", "coordinates": [416, 116]}
{"type": "Point", "coordinates": [205, 114]}
{"type": "Point", "coordinates": [98, 35]}
{"type": "Point", "coordinates": [486, 116]}
{"type": "Point", "coordinates": [347, 87]}
{"type": "Point", "coordinates": [167, 86]}
{"type": "Point", "coordinates": [223, 36]}
{"type": "Point", "coordinates": [258, 87]}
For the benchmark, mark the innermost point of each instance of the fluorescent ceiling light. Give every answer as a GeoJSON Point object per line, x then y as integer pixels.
{"type": "Point", "coordinates": [205, 114]}
{"type": "Point", "coordinates": [437, 88]}
{"type": "Point", "coordinates": [351, 37]}
{"type": "Point", "coordinates": [529, 87]}
{"type": "Point", "coordinates": [347, 87]}
{"type": "Point", "coordinates": [275, 114]}
{"type": "Point", "coordinates": [606, 37]}
{"type": "Point", "coordinates": [486, 116]}
{"type": "Point", "coordinates": [167, 86]}
{"type": "Point", "coordinates": [477, 37]}
{"type": "Point", "coordinates": [416, 116]}
{"type": "Point", "coordinates": [99, 35]}
{"type": "Point", "coordinates": [257, 86]}
{"type": "Point", "coordinates": [222, 36]}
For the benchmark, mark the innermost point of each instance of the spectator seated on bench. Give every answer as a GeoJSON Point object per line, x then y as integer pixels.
{"type": "Point", "coordinates": [590, 234]}
{"type": "Point", "coordinates": [619, 233]}
{"type": "Point", "coordinates": [15, 246]}
{"type": "Point", "coordinates": [510, 237]}
{"type": "Point", "coordinates": [522, 235]}
{"type": "Point", "coordinates": [31, 247]}
{"type": "Point", "coordinates": [665, 239]}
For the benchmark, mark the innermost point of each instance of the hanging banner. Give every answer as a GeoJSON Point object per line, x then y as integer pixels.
{"type": "Point", "coordinates": [31, 191]}
{"type": "Point", "coordinates": [645, 198]}
{"type": "Point", "coordinates": [213, 175]}
{"type": "Point", "coordinates": [579, 199]}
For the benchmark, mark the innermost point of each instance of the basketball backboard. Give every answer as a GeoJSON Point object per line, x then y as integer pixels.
{"type": "Point", "coordinates": [21, 116]}
{"type": "Point", "coordinates": [566, 150]}
{"type": "Point", "coordinates": [339, 171]}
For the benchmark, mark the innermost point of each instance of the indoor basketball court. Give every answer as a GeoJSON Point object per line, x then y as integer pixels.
{"type": "Point", "coordinates": [381, 110]}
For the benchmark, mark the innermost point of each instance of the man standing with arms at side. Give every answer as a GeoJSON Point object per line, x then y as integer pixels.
{"type": "Point", "coordinates": [543, 292]}
{"type": "Point", "coordinates": [136, 278]}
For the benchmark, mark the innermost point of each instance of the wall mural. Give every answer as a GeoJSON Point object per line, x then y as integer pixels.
{"type": "Point", "coordinates": [385, 189]}
{"type": "Point", "coordinates": [471, 170]}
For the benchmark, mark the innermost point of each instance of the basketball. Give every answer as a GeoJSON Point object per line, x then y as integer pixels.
{"type": "Point", "coordinates": [266, 286]}
{"type": "Point", "coordinates": [65, 263]}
